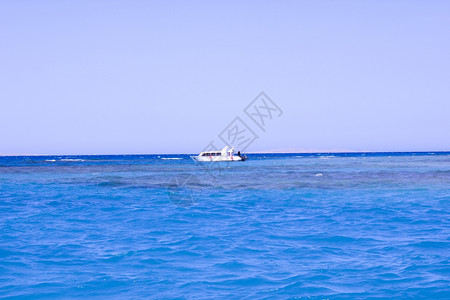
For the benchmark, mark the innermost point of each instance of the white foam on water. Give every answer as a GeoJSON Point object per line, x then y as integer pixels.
{"type": "Point", "coordinates": [72, 159]}
{"type": "Point", "coordinates": [327, 156]}
{"type": "Point", "coordinates": [50, 160]}
{"type": "Point", "coordinates": [318, 174]}
{"type": "Point", "coordinates": [171, 158]}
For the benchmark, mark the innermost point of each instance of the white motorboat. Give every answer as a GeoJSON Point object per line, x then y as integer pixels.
{"type": "Point", "coordinates": [221, 155]}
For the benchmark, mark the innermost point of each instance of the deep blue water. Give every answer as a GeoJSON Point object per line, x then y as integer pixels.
{"type": "Point", "coordinates": [276, 226]}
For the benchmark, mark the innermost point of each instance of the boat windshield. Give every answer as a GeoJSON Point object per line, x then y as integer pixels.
{"type": "Point", "coordinates": [211, 154]}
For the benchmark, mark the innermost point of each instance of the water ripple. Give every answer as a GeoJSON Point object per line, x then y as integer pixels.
{"type": "Point", "coordinates": [369, 226]}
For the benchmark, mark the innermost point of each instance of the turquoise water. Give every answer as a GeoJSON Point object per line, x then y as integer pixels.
{"type": "Point", "coordinates": [276, 226]}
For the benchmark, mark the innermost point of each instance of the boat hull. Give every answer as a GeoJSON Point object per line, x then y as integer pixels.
{"type": "Point", "coordinates": [217, 158]}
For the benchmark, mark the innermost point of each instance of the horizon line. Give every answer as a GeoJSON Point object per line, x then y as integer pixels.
{"type": "Point", "coordinates": [253, 152]}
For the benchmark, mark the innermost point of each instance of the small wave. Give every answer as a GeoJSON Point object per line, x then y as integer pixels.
{"type": "Point", "coordinates": [326, 156]}
{"type": "Point", "coordinates": [171, 158]}
{"type": "Point", "coordinates": [111, 183]}
{"type": "Point", "coordinates": [50, 160]}
{"type": "Point", "coordinates": [318, 174]}
{"type": "Point", "coordinates": [72, 159]}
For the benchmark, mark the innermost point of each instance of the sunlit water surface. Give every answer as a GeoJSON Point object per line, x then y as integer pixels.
{"type": "Point", "coordinates": [290, 225]}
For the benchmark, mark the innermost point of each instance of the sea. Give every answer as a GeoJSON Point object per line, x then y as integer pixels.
{"type": "Point", "coordinates": [276, 226]}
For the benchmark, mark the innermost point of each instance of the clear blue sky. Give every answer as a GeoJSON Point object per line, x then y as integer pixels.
{"type": "Point", "coordinates": [95, 77]}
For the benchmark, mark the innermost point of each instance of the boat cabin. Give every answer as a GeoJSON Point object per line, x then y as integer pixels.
{"type": "Point", "coordinates": [223, 155]}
